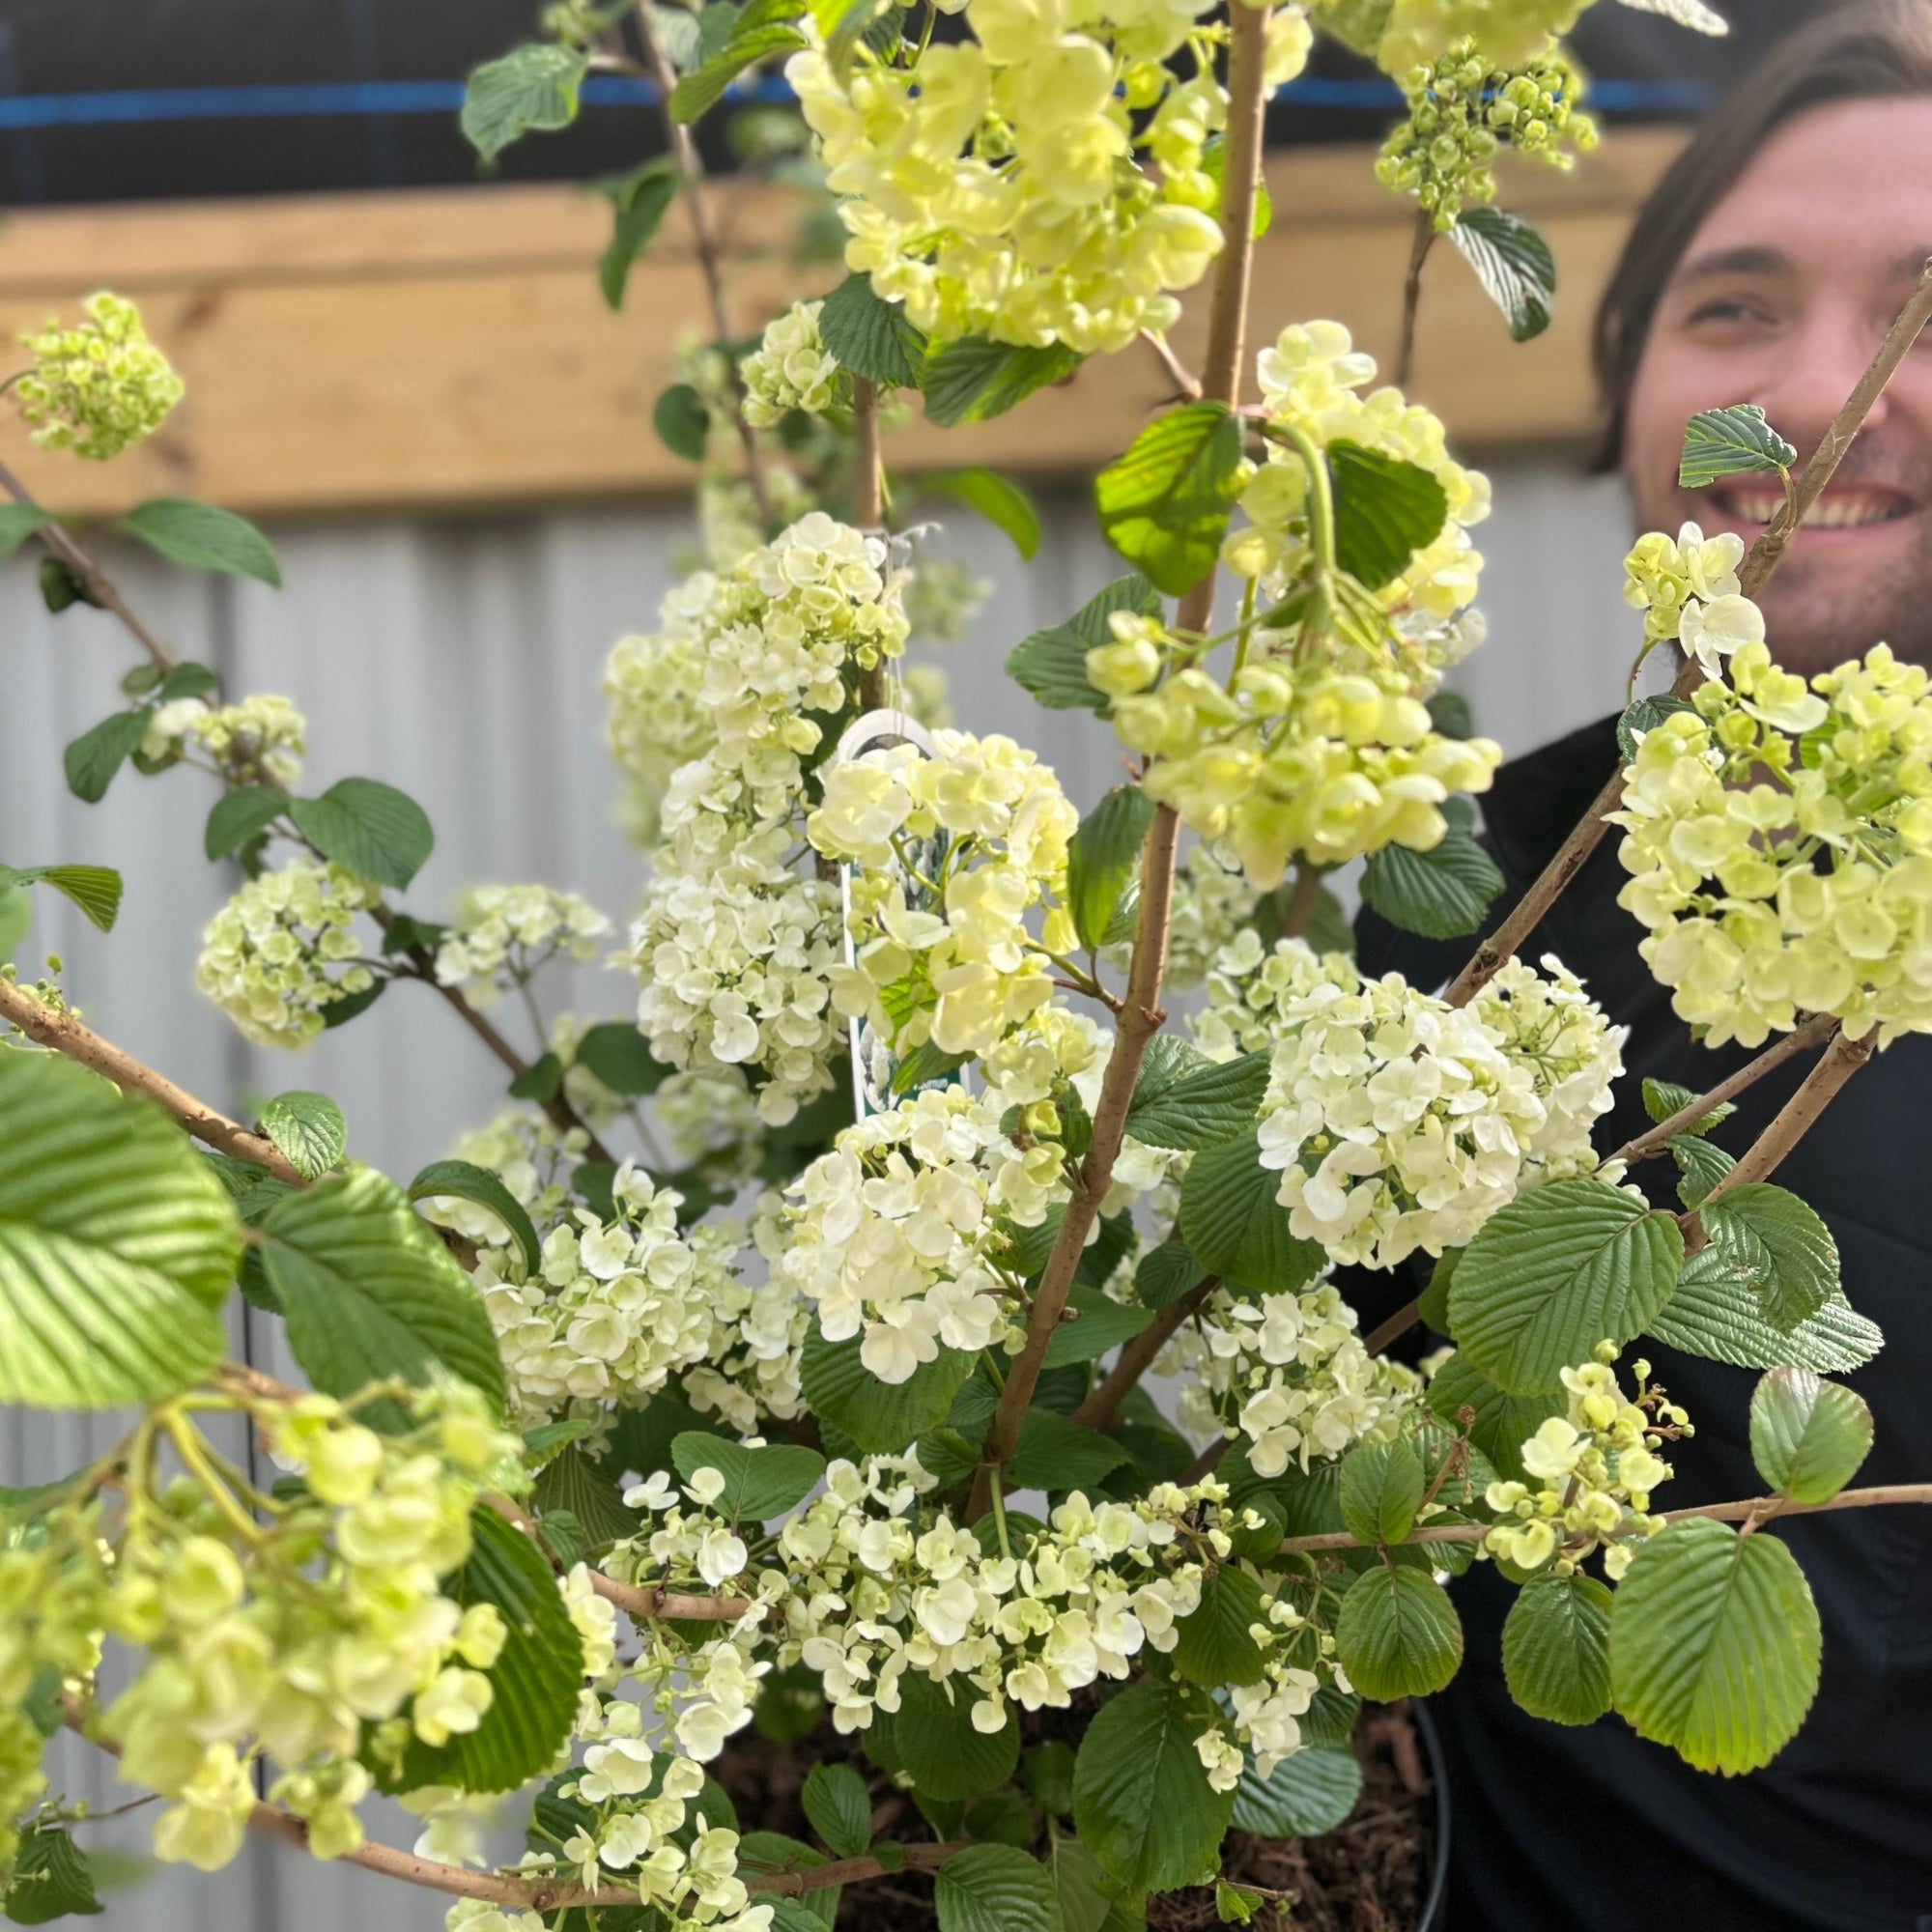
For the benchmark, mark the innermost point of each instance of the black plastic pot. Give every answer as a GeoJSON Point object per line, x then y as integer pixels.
{"type": "Point", "coordinates": [1436, 1907]}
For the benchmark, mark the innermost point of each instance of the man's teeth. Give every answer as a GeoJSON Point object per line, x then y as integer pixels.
{"type": "Point", "coordinates": [1828, 513]}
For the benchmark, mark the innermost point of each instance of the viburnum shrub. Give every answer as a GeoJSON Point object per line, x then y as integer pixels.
{"type": "Point", "coordinates": [775, 1360]}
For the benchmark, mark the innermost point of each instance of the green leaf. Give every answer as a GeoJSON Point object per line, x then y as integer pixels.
{"type": "Point", "coordinates": [1214, 1644]}
{"type": "Point", "coordinates": [1557, 1649]}
{"type": "Point", "coordinates": [1103, 856]}
{"type": "Point", "coordinates": [677, 31]}
{"type": "Point", "coordinates": [1164, 505]}
{"type": "Point", "coordinates": [371, 827]}
{"type": "Point", "coordinates": [1513, 263]}
{"type": "Point", "coordinates": [1235, 1227]}
{"type": "Point", "coordinates": [1051, 665]}
{"type": "Point", "coordinates": [1733, 442]}
{"type": "Point", "coordinates": [1383, 1484]}
{"type": "Point", "coordinates": [996, 1889]}
{"type": "Point", "coordinates": [309, 1130]}
{"type": "Point", "coordinates": [61, 587]}
{"type": "Point", "coordinates": [871, 338]}
{"type": "Point", "coordinates": [975, 378]}
{"type": "Point", "coordinates": [1057, 1453]}
{"type": "Point", "coordinates": [757, 36]}
{"type": "Point", "coordinates": [638, 203]}
{"type": "Point", "coordinates": [998, 498]}
{"type": "Point", "coordinates": [881, 1417]}
{"type": "Point", "coordinates": [1142, 1803]}
{"type": "Point", "coordinates": [1715, 1314]}
{"type": "Point", "coordinates": [95, 888]}
{"type": "Point", "coordinates": [1306, 1795]}
{"type": "Point", "coordinates": [618, 1055]}
{"type": "Point", "coordinates": [936, 1740]}
{"type": "Point", "coordinates": [1385, 511]}
{"type": "Point", "coordinates": [1048, 1772]}
{"type": "Point", "coordinates": [1089, 1899]}
{"type": "Point", "coordinates": [51, 1879]}
{"type": "Point", "coordinates": [840, 1810]}
{"type": "Point", "coordinates": [16, 920]}
{"type": "Point", "coordinates": [1101, 1324]}
{"type": "Point", "coordinates": [204, 537]}
{"type": "Point", "coordinates": [1714, 1645]}
{"type": "Point", "coordinates": [760, 1483]}
{"type": "Point", "coordinates": [18, 522]}
{"type": "Point", "coordinates": [1503, 1423]}
{"type": "Point", "coordinates": [1700, 1167]}
{"type": "Point", "coordinates": [1556, 1271]}
{"type": "Point", "coordinates": [531, 90]}
{"type": "Point", "coordinates": [1807, 1437]}
{"type": "Point", "coordinates": [541, 1080]}
{"type": "Point", "coordinates": [238, 816]}
{"type": "Point", "coordinates": [95, 757]}
{"type": "Point", "coordinates": [575, 1485]}
{"type": "Point", "coordinates": [682, 422]}
{"type": "Point", "coordinates": [1398, 1635]}
{"type": "Point", "coordinates": [369, 1293]}
{"type": "Point", "coordinates": [1778, 1247]}
{"type": "Point", "coordinates": [1645, 715]}
{"type": "Point", "coordinates": [1661, 1099]}
{"type": "Point", "coordinates": [534, 1679]}
{"type": "Point", "coordinates": [464, 1180]}
{"type": "Point", "coordinates": [1167, 1271]}
{"type": "Point", "coordinates": [1441, 894]}
{"type": "Point", "coordinates": [118, 1244]}
{"type": "Point", "coordinates": [1449, 714]}
{"type": "Point", "coordinates": [1205, 1107]}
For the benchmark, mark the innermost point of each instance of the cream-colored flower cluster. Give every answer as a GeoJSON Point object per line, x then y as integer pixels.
{"type": "Point", "coordinates": [1288, 1373]}
{"type": "Point", "coordinates": [1249, 986]}
{"type": "Point", "coordinates": [898, 1236]}
{"type": "Point", "coordinates": [945, 954]}
{"type": "Point", "coordinates": [1400, 1122]}
{"type": "Point", "coordinates": [997, 185]}
{"type": "Point", "coordinates": [322, 1637]}
{"type": "Point", "coordinates": [1780, 842]}
{"type": "Point", "coordinates": [258, 741]}
{"type": "Point", "coordinates": [1320, 745]}
{"type": "Point", "coordinates": [1462, 110]}
{"type": "Point", "coordinates": [791, 369]}
{"type": "Point", "coordinates": [266, 956]}
{"type": "Point", "coordinates": [1687, 587]}
{"type": "Point", "coordinates": [1212, 902]}
{"type": "Point", "coordinates": [502, 934]}
{"type": "Point", "coordinates": [99, 387]}
{"type": "Point", "coordinates": [1593, 1471]}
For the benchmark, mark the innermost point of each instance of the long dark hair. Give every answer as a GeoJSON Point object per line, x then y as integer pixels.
{"type": "Point", "coordinates": [1867, 49]}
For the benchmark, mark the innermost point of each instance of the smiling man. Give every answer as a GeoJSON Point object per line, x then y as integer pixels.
{"type": "Point", "coordinates": [1766, 269]}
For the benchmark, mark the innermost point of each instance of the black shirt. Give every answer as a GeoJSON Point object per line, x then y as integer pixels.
{"type": "Point", "coordinates": [1595, 1831]}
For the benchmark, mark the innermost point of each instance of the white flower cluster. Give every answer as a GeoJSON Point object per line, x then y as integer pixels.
{"type": "Point", "coordinates": [896, 1234]}
{"type": "Point", "coordinates": [1593, 1470]}
{"type": "Point", "coordinates": [1688, 590]}
{"type": "Point", "coordinates": [1251, 984]}
{"type": "Point", "coordinates": [265, 956]}
{"type": "Point", "coordinates": [1289, 1373]}
{"type": "Point", "coordinates": [1401, 1123]}
{"type": "Point", "coordinates": [258, 741]}
{"type": "Point", "coordinates": [1212, 901]}
{"type": "Point", "coordinates": [952, 958]}
{"type": "Point", "coordinates": [791, 369]}
{"type": "Point", "coordinates": [502, 934]}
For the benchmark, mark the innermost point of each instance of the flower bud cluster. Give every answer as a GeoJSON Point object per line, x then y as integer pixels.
{"type": "Point", "coordinates": [1780, 842]}
{"type": "Point", "coordinates": [1400, 1122]}
{"type": "Point", "coordinates": [258, 741]}
{"type": "Point", "coordinates": [99, 387]}
{"type": "Point", "coordinates": [1462, 110]}
{"type": "Point", "coordinates": [502, 934]}
{"type": "Point", "coordinates": [791, 369]}
{"type": "Point", "coordinates": [284, 950]}
{"type": "Point", "coordinates": [996, 187]}
{"type": "Point", "coordinates": [1688, 589]}
{"type": "Point", "coordinates": [954, 851]}
{"type": "Point", "coordinates": [1592, 1473]}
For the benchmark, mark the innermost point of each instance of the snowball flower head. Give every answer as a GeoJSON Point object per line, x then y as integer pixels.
{"type": "Point", "coordinates": [99, 387]}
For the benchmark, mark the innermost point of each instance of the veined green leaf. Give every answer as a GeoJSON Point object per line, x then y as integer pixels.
{"type": "Point", "coordinates": [1204, 1106]}
{"type": "Point", "coordinates": [998, 498]}
{"type": "Point", "coordinates": [1807, 1437]}
{"type": "Point", "coordinates": [531, 89]}
{"type": "Point", "coordinates": [760, 1483]}
{"type": "Point", "coordinates": [1513, 263]}
{"type": "Point", "coordinates": [1383, 1484]}
{"type": "Point", "coordinates": [1104, 854]}
{"type": "Point", "coordinates": [976, 378]}
{"type": "Point", "coordinates": [95, 888]}
{"type": "Point", "coordinates": [1385, 511]}
{"type": "Point", "coordinates": [204, 537]}
{"type": "Point", "coordinates": [1051, 665]}
{"type": "Point", "coordinates": [371, 827]}
{"type": "Point", "coordinates": [1164, 505]}
{"type": "Point", "coordinates": [1557, 1649]}
{"type": "Point", "coordinates": [1778, 1247]}
{"type": "Point", "coordinates": [1398, 1635]}
{"type": "Point", "coordinates": [1732, 441]}
{"type": "Point", "coordinates": [1235, 1227]}
{"type": "Point", "coordinates": [996, 1889]}
{"type": "Point", "coordinates": [840, 1808]}
{"type": "Point", "coordinates": [308, 1130]}
{"type": "Point", "coordinates": [464, 1180]}
{"type": "Point", "coordinates": [871, 338]}
{"type": "Point", "coordinates": [1440, 894]}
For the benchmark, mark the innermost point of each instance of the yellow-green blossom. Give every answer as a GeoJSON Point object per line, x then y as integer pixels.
{"type": "Point", "coordinates": [99, 387]}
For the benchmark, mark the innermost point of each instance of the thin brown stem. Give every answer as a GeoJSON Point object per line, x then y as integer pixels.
{"type": "Point", "coordinates": [1815, 1031]}
{"type": "Point", "coordinates": [1185, 383]}
{"type": "Point", "coordinates": [1753, 574]}
{"type": "Point", "coordinates": [1752, 1509]}
{"type": "Point", "coordinates": [1394, 1329]}
{"type": "Point", "coordinates": [690, 177]}
{"type": "Point", "coordinates": [1140, 1014]}
{"type": "Point", "coordinates": [644, 1600]}
{"type": "Point", "coordinates": [1302, 900]}
{"type": "Point", "coordinates": [68, 1036]}
{"type": "Point", "coordinates": [64, 549]}
{"type": "Point", "coordinates": [1138, 1356]}
{"type": "Point", "coordinates": [868, 507]}
{"type": "Point", "coordinates": [1412, 294]}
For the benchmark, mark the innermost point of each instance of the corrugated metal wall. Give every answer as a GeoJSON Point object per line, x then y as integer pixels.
{"type": "Point", "coordinates": [462, 661]}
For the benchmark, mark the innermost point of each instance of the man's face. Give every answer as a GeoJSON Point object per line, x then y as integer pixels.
{"type": "Point", "coordinates": [1781, 300]}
